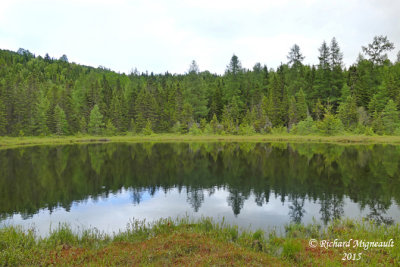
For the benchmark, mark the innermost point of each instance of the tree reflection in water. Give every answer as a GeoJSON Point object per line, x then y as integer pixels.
{"type": "Point", "coordinates": [49, 177]}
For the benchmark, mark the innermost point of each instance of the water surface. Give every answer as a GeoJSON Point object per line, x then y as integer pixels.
{"type": "Point", "coordinates": [254, 185]}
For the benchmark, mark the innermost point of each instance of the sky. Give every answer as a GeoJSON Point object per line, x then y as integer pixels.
{"type": "Point", "coordinates": [160, 36]}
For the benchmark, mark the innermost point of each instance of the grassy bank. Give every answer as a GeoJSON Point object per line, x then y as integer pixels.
{"type": "Point", "coordinates": [184, 242]}
{"type": "Point", "coordinates": [7, 142]}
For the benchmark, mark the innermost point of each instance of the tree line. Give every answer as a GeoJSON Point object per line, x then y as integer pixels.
{"type": "Point", "coordinates": [45, 96]}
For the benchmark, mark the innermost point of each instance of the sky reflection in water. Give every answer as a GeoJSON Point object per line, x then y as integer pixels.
{"type": "Point", "coordinates": [255, 186]}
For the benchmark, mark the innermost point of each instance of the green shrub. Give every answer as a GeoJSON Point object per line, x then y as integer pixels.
{"type": "Point", "coordinates": [365, 130]}
{"type": "Point", "coordinates": [330, 125]}
{"type": "Point", "coordinates": [208, 129]}
{"type": "Point", "coordinates": [110, 129]}
{"type": "Point", "coordinates": [246, 129]}
{"type": "Point", "coordinates": [177, 128]}
{"type": "Point", "coordinates": [203, 124]}
{"type": "Point", "coordinates": [194, 130]}
{"type": "Point", "coordinates": [305, 127]}
{"type": "Point", "coordinates": [147, 130]}
{"type": "Point", "coordinates": [279, 130]}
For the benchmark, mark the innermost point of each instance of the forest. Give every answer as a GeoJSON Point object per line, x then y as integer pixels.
{"type": "Point", "coordinates": [42, 96]}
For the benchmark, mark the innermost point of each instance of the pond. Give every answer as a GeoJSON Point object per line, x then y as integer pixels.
{"type": "Point", "coordinates": [253, 185]}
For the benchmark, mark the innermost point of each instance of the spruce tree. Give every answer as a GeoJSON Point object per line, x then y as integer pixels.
{"type": "Point", "coordinates": [187, 117]}
{"type": "Point", "coordinates": [146, 108]}
{"type": "Point", "coordinates": [390, 117]}
{"type": "Point", "coordinates": [147, 130]}
{"type": "Point", "coordinates": [3, 119]}
{"type": "Point", "coordinates": [301, 105]}
{"type": "Point", "coordinates": [214, 124]}
{"type": "Point", "coordinates": [83, 125]}
{"type": "Point", "coordinates": [227, 121]}
{"type": "Point", "coordinates": [96, 121]}
{"type": "Point", "coordinates": [39, 116]}
{"type": "Point", "coordinates": [295, 57]}
{"type": "Point", "coordinates": [377, 123]}
{"type": "Point", "coordinates": [348, 113]}
{"type": "Point", "coordinates": [233, 79]}
{"type": "Point", "coordinates": [323, 83]}
{"type": "Point", "coordinates": [61, 121]}
{"type": "Point", "coordinates": [336, 62]}
{"type": "Point", "coordinates": [336, 56]}
{"type": "Point", "coordinates": [110, 128]}
{"type": "Point", "coordinates": [195, 92]}
{"type": "Point", "coordinates": [292, 112]}
{"type": "Point", "coordinates": [318, 109]}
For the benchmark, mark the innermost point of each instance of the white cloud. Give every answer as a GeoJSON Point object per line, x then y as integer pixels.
{"type": "Point", "coordinates": [166, 35]}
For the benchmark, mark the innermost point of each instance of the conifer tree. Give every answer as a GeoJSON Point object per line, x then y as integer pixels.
{"type": "Point", "coordinates": [227, 121]}
{"type": "Point", "coordinates": [390, 117]}
{"type": "Point", "coordinates": [116, 116]}
{"type": "Point", "coordinates": [50, 119]}
{"type": "Point", "coordinates": [345, 92]}
{"type": "Point", "coordinates": [187, 117]}
{"type": "Point", "coordinates": [146, 107]}
{"type": "Point", "coordinates": [95, 121]}
{"type": "Point", "coordinates": [292, 112]}
{"type": "Point", "coordinates": [273, 106]}
{"type": "Point", "coordinates": [195, 92]}
{"type": "Point", "coordinates": [217, 105]}
{"type": "Point", "coordinates": [301, 106]}
{"type": "Point", "coordinates": [39, 114]}
{"type": "Point", "coordinates": [110, 128]}
{"type": "Point", "coordinates": [336, 56]}
{"type": "Point", "coordinates": [147, 130]}
{"type": "Point", "coordinates": [107, 97]}
{"type": "Point", "coordinates": [318, 109]}
{"type": "Point", "coordinates": [323, 83]}
{"type": "Point", "coordinates": [348, 113]}
{"type": "Point", "coordinates": [61, 121]}
{"type": "Point", "coordinates": [377, 122]}
{"type": "Point", "coordinates": [336, 62]}
{"type": "Point", "coordinates": [295, 57]}
{"type": "Point", "coordinates": [233, 77]}
{"type": "Point", "coordinates": [83, 125]}
{"type": "Point", "coordinates": [214, 124]}
{"type": "Point", "coordinates": [3, 119]}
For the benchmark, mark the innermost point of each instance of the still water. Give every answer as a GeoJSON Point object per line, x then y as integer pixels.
{"type": "Point", "coordinates": [253, 185]}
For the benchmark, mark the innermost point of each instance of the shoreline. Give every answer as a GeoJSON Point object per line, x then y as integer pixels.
{"type": "Point", "coordinates": [14, 142]}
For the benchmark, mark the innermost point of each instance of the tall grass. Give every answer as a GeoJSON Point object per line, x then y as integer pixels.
{"type": "Point", "coordinates": [25, 247]}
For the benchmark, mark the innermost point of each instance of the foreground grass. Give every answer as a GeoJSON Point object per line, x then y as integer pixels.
{"type": "Point", "coordinates": [9, 142]}
{"type": "Point", "coordinates": [184, 242]}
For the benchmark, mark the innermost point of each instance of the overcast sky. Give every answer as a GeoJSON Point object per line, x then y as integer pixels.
{"type": "Point", "coordinates": [160, 35]}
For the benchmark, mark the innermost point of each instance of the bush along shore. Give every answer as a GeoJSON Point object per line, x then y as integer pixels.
{"type": "Point", "coordinates": [204, 242]}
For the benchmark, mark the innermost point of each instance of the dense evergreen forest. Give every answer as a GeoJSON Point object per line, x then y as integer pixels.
{"type": "Point", "coordinates": [46, 96]}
